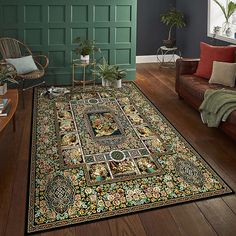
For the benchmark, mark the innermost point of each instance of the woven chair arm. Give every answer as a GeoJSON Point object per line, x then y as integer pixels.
{"type": "Point", "coordinates": [46, 61]}
{"type": "Point", "coordinates": [40, 67]}
{"type": "Point", "coordinates": [9, 65]}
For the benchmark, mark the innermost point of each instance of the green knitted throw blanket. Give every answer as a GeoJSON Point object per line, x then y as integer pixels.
{"type": "Point", "coordinates": [217, 106]}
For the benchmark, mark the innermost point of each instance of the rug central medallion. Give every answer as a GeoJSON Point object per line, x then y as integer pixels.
{"type": "Point", "coordinates": [107, 137]}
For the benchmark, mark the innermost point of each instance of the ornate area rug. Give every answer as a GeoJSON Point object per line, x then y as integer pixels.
{"type": "Point", "coordinates": [104, 152]}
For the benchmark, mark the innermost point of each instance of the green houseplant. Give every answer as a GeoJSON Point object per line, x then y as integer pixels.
{"type": "Point", "coordinates": [172, 18]}
{"type": "Point", "coordinates": [105, 72]}
{"type": "Point", "coordinates": [227, 11]}
{"type": "Point", "coordinates": [85, 48]}
{"type": "Point", "coordinates": [119, 75]}
{"type": "Point", "coordinates": [109, 74]}
{"type": "Point", "coordinates": [7, 74]}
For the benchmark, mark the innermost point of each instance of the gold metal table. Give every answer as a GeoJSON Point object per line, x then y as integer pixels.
{"type": "Point", "coordinates": [78, 63]}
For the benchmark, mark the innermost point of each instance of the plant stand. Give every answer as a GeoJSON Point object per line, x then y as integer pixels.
{"type": "Point", "coordinates": [83, 65]}
{"type": "Point", "coordinates": [167, 56]}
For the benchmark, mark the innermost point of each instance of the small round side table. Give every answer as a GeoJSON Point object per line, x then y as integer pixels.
{"type": "Point", "coordinates": [167, 56]}
{"type": "Point", "coordinates": [78, 63]}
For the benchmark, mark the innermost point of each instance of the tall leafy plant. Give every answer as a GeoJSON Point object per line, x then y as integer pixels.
{"type": "Point", "coordinates": [173, 18]}
{"type": "Point", "coordinates": [228, 9]}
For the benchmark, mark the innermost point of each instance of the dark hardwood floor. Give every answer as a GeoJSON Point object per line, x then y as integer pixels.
{"type": "Point", "coordinates": [215, 216]}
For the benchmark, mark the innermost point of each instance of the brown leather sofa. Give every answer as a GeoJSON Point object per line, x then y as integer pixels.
{"type": "Point", "coordinates": [192, 88]}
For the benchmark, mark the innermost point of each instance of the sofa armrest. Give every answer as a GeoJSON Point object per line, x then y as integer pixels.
{"type": "Point", "coordinates": [185, 66]}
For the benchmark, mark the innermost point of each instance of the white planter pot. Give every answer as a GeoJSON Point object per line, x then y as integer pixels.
{"type": "Point", "coordinates": [103, 82]}
{"type": "Point", "coordinates": [117, 83]}
{"type": "Point", "coordinates": [3, 89]}
{"type": "Point", "coordinates": [106, 83]}
{"type": "Point", "coordinates": [84, 59]}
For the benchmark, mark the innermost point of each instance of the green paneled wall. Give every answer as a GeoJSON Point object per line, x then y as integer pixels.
{"type": "Point", "coordinates": [50, 26]}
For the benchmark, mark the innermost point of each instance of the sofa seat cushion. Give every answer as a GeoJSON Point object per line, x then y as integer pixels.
{"type": "Point", "coordinates": [196, 86]}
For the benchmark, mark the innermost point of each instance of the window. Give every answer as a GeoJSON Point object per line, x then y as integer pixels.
{"type": "Point", "coordinates": [217, 26]}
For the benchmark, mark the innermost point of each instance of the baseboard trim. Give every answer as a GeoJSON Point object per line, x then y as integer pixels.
{"type": "Point", "coordinates": [146, 59]}
{"type": "Point", "coordinates": [153, 58]}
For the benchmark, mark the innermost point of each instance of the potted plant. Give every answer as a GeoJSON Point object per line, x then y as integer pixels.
{"type": "Point", "coordinates": [172, 18]}
{"type": "Point", "coordinates": [119, 75]}
{"type": "Point", "coordinates": [85, 48]}
{"type": "Point", "coordinates": [227, 11]}
{"type": "Point", "coordinates": [7, 74]}
{"type": "Point", "coordinates": [105, 72]}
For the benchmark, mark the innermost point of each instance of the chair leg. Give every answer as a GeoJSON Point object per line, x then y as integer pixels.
{"type": "Point", "coordinates": [22, 93]}
{"type": "Point", "coordinates": [45, 84]}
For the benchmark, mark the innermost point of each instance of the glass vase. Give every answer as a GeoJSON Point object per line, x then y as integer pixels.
{"type": "Point", "coordinates": [227, 29]}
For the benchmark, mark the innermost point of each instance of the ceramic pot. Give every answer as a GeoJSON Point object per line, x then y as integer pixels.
{"type": "Point", "coordinates": [3, 89]}
{"type": "Point", "coordinates": [106, 83]}
{"type": "Point", "coordinates": [169, 43]}
{"type": "Point", "coordinates": [117, 83]}
{"type": "Point", "coordinates": [84, 59]}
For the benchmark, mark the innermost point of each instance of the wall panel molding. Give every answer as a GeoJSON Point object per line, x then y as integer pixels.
{"type": "Point", "coordinates": [50, 26]}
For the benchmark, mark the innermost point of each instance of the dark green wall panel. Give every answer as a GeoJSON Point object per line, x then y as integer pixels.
{"type": "Point", "coordinates": [50, 26]}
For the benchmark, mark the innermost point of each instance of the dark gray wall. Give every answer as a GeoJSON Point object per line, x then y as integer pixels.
{"type": "Point", "coordinates": [151, 31]}
{"type": "Point", "coordinates": [189, 38]}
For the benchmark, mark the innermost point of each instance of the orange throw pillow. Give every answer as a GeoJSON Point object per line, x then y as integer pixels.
{"type": "Point", "coordinates": [213, 53]}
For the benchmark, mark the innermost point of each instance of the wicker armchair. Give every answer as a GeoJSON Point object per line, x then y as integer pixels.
{"type": "Point", "coordinates": [12, 48]}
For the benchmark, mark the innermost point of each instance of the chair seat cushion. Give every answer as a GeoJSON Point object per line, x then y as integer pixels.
{"type": "Point", "coordinates": [196, 86]}
{"type": "Point", "coordinates": [23, 65]}
{"type": "Point", "coordinates": [33, 75]}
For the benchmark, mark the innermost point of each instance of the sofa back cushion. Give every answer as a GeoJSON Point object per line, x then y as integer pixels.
{"type": "Point", "coordinates": [211, 53]}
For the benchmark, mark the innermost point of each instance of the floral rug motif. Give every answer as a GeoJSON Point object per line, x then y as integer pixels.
{"type": "Point", "coordinates": [105, 152]}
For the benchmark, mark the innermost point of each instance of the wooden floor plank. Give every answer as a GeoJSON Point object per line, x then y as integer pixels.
{"type": "Point", "coordinates": [17, 211]}
{"type": "Point", "coordinates": [220, 216]}
{"type": "Point", "coordinates": [126, 225]}
{"type": "Point", "coordinates": [68, 231]}
{"type": "Point", "coordinates": [97, 228]}
{"type": "Point", "coordinates": [230, 200]}
{"type": "Point", "coordinates": [159, 222]}
{"type": "Point", "coordinates": [191, 221]}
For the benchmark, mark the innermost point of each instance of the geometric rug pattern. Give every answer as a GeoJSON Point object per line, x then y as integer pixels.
{"type": "Point", "coordinates": [105, 152]}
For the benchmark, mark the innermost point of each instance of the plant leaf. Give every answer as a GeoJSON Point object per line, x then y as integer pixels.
{"type": "Point", "coordinates": [222, 9]}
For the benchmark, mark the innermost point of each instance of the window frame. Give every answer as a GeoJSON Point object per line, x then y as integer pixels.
{"type": "Point", "coordinates": [210, 34]}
